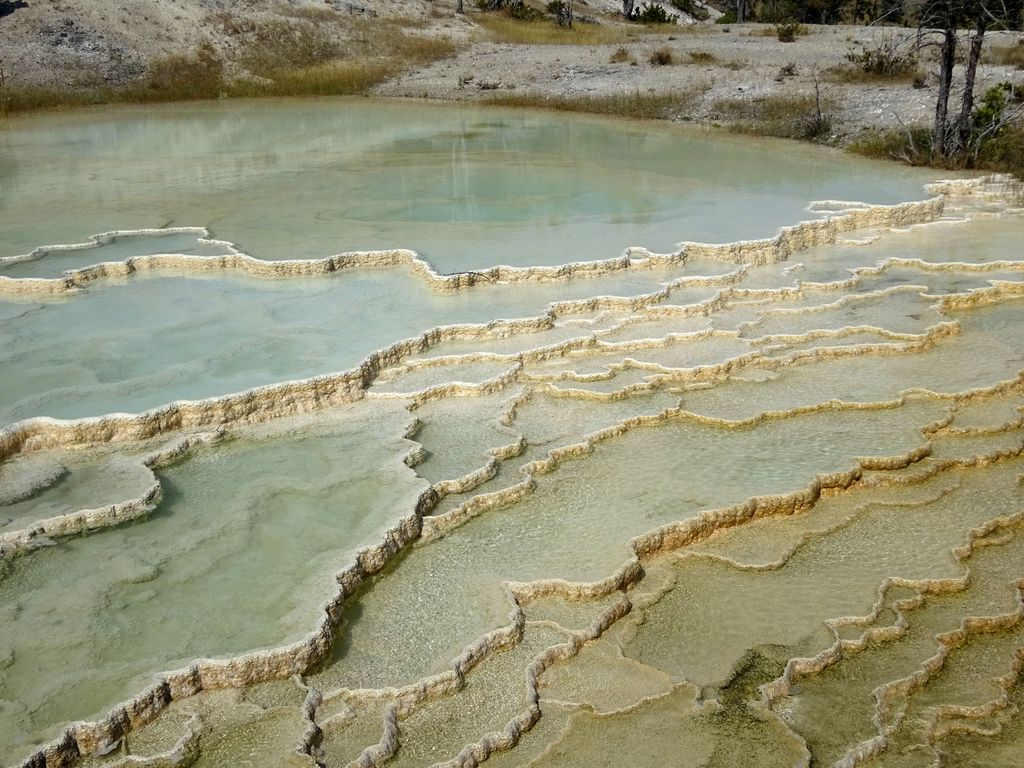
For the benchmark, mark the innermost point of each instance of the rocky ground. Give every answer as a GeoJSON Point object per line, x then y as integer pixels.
{"type": "Point", "coordinates": [745, 63]}
{"type": "Point", "coordinates": [84, 43]}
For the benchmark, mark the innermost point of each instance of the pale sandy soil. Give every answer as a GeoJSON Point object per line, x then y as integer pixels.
{"type": "Point", "coordinates": [746, 65]}
{"type": "Point", "coordinates": [74, 43]}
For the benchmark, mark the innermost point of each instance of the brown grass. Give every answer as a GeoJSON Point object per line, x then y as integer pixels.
{"type": "Point", "coordinates": [503, 29]}
{"type": "Point", "coordinates": [637, 106]}
{"type": "Point", "coordinates": [295, 58]}
{"type": "Point", "coordinates": [1007, 55]}
{"type": "Point", "coordinates": [661, 57]}
{"type": "Point", "coordinates": [852, 74]}
{"type": "Point", "coordinates": [782, 116]}
{"type": "Point", "coordinates": [383, 54]}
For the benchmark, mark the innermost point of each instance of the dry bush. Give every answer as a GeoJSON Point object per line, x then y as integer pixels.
{"type": "Point", "coordinates": [701, 57]}
{"type": "Point", "coordinates": [661, 57]}
{"type": "Point", "coordinates": [888, 60]}
{"type": "Point", "coordinates": [620, 55]}
{"type": "Point", "coordinates": [789, 31]}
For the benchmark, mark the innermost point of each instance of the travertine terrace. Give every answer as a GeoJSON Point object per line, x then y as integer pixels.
{"type": "Point", "coordinates": [658, 508]}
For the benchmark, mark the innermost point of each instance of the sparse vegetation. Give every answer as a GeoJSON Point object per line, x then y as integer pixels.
{"type": "Point", "coordinates": [200, 75]}
{"type": "Point", "coordinates": [889, 59]}
{"type": "Point", "coordinates": [789, 31]}
{"type": "Point", "coordinates": [273, 47]}
{"type": "Point", "coordinates": [636, 105]}
{"type": "Point", "coordinates": [909, 146]}
{"type": "Point", "coordinates": [996, 141]}
{"type": "Point", "coordinates": [313, 65]}
{"type": "Point", "coordinates": [505, 30]}
{"type": "Point", "coordinates": [661, 57]}
{"type": "Point", "coordinates": [620, 55]}
{"type": "Point", "coordinates": [701, 57]}
{"type": "Point", "coordinates": [317, 68]}
{"type": "Point", "coordinates": [816, 125]}
{"type": "Point", "coordinates": [1008, 55]}
{"type": "Point", "coordinates": [788, 117]}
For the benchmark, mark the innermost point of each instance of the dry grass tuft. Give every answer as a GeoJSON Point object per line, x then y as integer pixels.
{"type": "Point", "coordinates": [661, 57]}
{"type": "Point", "coordinates": [620, 55]}
{"type": "Point", "coordinates": [788, 117]}
{"type": "Point", "coordinates": [502, 29]}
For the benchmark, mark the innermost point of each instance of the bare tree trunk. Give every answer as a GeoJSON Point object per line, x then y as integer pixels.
{"type": "Point", "coordinates": [569, 9]}
{"type": "Point", "coordinates": [458, 7]}
{"type": "Point", "coordinates": [627, 8]}
{"type": "Point", "coordinates": [741, 11]}
{"type": "Point", "coordinates": [967, 105]}
{"type": "Point", "coordinates": [947, 58]}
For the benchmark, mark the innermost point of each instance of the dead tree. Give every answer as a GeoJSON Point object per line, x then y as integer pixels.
{"type": "Point", "coordinates": [942, 19]}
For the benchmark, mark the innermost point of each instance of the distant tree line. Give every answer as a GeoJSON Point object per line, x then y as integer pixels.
{"type": "Point", "coordinates": [908, 13]}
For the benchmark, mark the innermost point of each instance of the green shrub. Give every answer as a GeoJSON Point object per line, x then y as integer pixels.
{"type": "Point", "coordinates": [789, 31]}
{"type": "Point", "coordinates": [883, 61]}
{"type": "Point", "coordinates": [1004, 151]}
{"type": "Point", "coordinates": [652, 14]}
{"type": "Point", "coordinates": [691, 9]}
{"type": "Point", "coordinates": [729, 17]}
{"type": "Point", "coordinates": [989, 112]}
